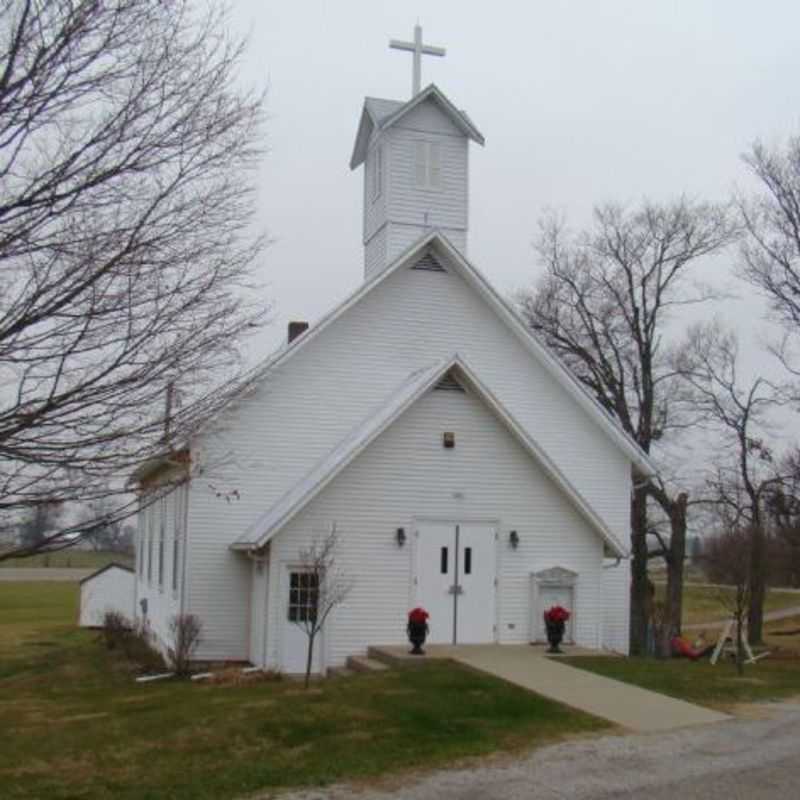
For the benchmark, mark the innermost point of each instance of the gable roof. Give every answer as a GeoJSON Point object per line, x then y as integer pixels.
{"type": "Point", "coordinates": [379, 114]}
{"type": "Point", "coordinates": [446, 252]}
{"type": "Point", "coordinates": [114, 564]}
{"type": "Point", "coordinates": [412, 389]}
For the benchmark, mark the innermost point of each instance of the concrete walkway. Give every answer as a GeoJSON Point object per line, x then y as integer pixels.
{"type": "Point", "coordinates": [622, 703]}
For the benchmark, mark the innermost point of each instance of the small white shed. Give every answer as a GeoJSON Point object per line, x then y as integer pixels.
{"type": "Point", "coordinates": [110, 588]}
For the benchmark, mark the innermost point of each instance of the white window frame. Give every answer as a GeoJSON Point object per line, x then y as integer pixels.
{"type": "Point", "coordinates": [428, 165]}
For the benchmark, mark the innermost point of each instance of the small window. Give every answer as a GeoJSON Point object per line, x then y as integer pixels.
{"type": "Point", "coordinates": [303, 596]}
{"type": "Point", "coordinates": [467, 560]}
{"type": "Point", "coordinates": [428, 165]}
{"type": "Point", "coordinates": [179, 509]}
{"type": "Point", "coordinates": [150, 535]}
{"type": "Point", "coordinates": [162, 524]}
{"type": "Point", "coordinates": [377, 172]}
{"type": "Point", "coordinates": [443, 561]}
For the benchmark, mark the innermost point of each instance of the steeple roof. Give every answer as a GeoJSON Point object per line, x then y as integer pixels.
{"type": "Point", "coordinates": [379, 114]}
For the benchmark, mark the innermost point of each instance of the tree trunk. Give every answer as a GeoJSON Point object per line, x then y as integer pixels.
{"type": "Point", "coordinates": [309, 658]}
{"type": "Point", "coordinates": [675, 562]}
{"type": "Point", "coordinates": [640, 585]}
{"type": "Point", "coordinates": [758, 584]}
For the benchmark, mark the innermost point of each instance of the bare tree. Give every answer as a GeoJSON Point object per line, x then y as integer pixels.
{"type": "Point", "coordinates": [770, 254]}
{"type": "Point", "coordinates": [126, 240]}
{"type": "Point", "coordinates": [320, 587]}
{"type": "Point", "coordinates": [603, 305]}
{"type": "Point", "coordinates": [746, 471]}
{"type": "Point", "coordinates": [185, 631]}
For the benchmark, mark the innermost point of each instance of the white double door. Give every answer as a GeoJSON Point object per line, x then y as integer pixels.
{"type": "Point", "coordinates": [456, 581]}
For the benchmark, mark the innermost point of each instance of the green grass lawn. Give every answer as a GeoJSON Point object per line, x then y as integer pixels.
{"type": "Point", "coordinates": [73, 724]}
{"type": "Point", "coordinates": [80, 559]}
{"type": "Point", "coordinates": [699, 682]}
{"type": "Point", "coordinates": [704, 603]}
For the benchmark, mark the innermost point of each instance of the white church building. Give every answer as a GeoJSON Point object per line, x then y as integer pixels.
{"type": "Point", "coordinates": [463, 467]}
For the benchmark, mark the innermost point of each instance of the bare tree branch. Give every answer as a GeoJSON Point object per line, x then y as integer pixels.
{"type": "Point", "coordinates": [126, 239]}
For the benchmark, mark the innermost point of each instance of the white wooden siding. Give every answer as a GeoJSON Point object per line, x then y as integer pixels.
{"type": "Point", "coordinates": [616, 605]}
{"type": "Point", "coordinates": [404, 208]}
{"type": "Point", "coordinates": [407, 474]}
{"type": "Point", "coordinates": [273, 437]}
{"type": "Point", "coordinates": [375, 253]}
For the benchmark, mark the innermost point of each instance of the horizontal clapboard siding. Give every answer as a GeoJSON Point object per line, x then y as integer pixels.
{"type": "Point", "coordinates": [406, 473]}
{"type": "Point", "coordinates": [273, 437]}
{"type": "Point", "coordinates": [616, 606]}
{"type": "Point", "coordinates": [375, 250]}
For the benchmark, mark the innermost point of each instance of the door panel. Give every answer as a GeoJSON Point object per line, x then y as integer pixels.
{"type": "Point", "coordinates": [455, 581]}
{"type": "Point", "coordinates": [476, 574]}
{"type": "Point", "coordinates": [435, 576]}
{"type": "Point", "coordinates": [298, 604]}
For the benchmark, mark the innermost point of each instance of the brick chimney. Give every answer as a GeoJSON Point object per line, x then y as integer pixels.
{"type": "Point", "coordinates": [295, 329]}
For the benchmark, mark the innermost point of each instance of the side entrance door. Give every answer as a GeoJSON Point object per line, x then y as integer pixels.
{"type": "Point", "coordinates": [456, 581]}
{"type": "Point", "coordinates": [550, 596]}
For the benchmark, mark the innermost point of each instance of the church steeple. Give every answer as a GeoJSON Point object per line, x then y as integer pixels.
{"type": "Point", "coordinates": [416, 163]}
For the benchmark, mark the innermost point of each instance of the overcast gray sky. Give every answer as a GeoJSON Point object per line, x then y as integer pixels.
{"type": "Point", "coordinates": [580, 102]}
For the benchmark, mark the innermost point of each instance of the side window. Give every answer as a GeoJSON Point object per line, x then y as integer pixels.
{"type": "Point", "coordinates": [179, 506]}
{"type": "Point", "coordinates": [303, 596]}
{"type": "Point", "coordinates": [162, 525]}
{"type": "Point", "coordinates": [150, 525]}
{"type": "Point", "coordinates": [377, 172]}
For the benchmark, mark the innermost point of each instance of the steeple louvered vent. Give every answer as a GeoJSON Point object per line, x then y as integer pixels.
{"type": "Point", "coordinates": [429, 263]}
{"type": "Point", "coordinates": [449, 384]}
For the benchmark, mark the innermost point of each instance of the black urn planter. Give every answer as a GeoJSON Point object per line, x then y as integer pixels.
{"type": "Point", "coordinates": [555, 633]}
{"type": "Point", "coordinates": [417, 632]}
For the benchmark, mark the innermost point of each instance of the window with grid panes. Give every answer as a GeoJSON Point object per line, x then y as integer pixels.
{"type": "Point", "coordinates": [303, 596]}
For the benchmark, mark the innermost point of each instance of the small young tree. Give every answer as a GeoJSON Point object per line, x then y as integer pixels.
{"type": "Point", "coordinates": [321, 586]}
{"type": "Point", "coordinates": [727, 560]}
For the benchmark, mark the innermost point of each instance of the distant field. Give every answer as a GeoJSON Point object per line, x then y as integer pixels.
{"type": "Point", "coordinates": [705, 603]}
{"type": "Point", "coordinates": [80, 559]}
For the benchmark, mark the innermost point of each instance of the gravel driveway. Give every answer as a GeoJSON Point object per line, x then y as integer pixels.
{"type": "Point", "coordinates": [753, 758]}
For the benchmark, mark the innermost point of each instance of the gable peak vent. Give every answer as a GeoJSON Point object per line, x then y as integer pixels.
{"type": "Point", "coordinates": [449, 384]}
{"type": "Point", "coordinates": [429, 263]}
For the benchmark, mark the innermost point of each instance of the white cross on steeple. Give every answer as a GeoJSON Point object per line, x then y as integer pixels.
{"type": "Point", "coordinates": [418, 49]}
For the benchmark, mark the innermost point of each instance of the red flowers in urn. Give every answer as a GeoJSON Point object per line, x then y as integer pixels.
{"type": "Point", "coordinates": [555, 619]}
{"type": "Point", "coordinates": [417, 629]}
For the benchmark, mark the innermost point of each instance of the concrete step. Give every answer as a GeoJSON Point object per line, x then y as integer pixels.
{"type": "Point", "coordinates": [364, 664]}
{"type": "Point", "coordinates": [339, 672]}
{"type": "Point", "coordinates": [397, 656]}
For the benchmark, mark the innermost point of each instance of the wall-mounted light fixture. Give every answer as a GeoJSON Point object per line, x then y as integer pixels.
{"type": "Point", "coordinates": [449, 440]}
{"type": "Point", "coordinates": [513, 539]}
{"type": "Point", "coordinates": [400, 536]}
